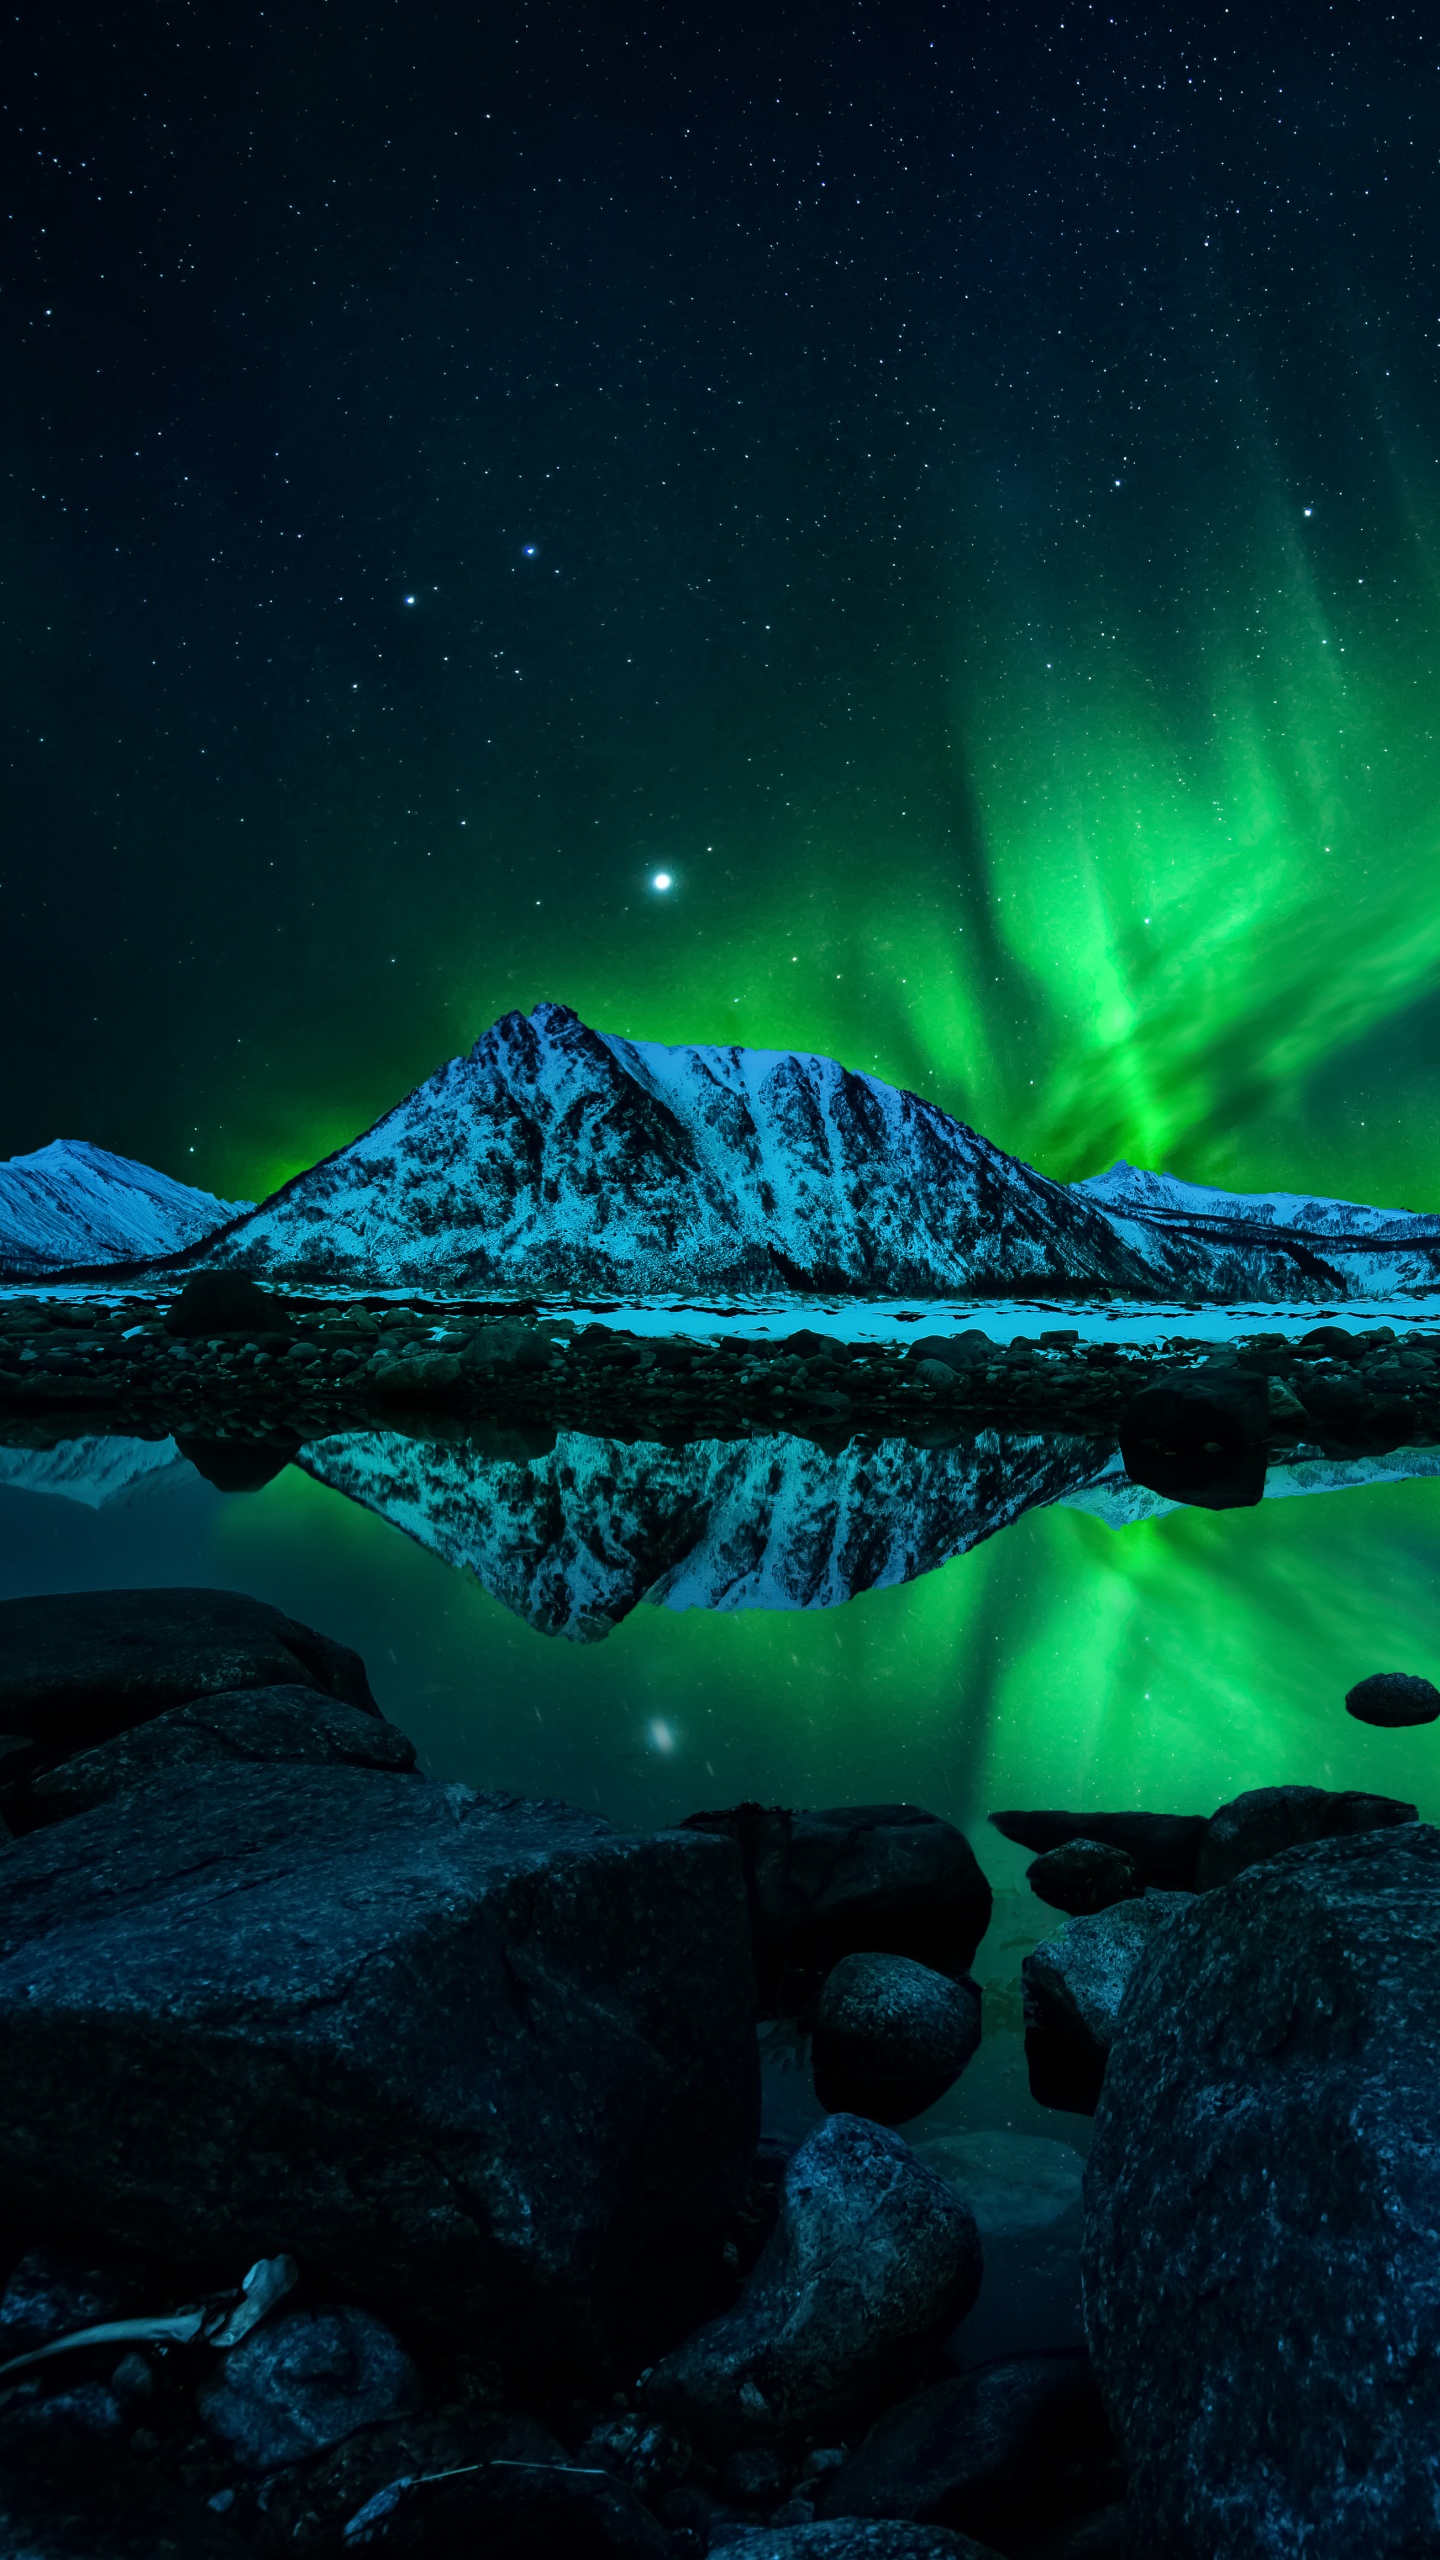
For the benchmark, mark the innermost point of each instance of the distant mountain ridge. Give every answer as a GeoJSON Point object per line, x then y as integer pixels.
{"type": "Point", "coordinates": [71, 1205]}
{"type": "Point", "coordinates": [1130, 1191]}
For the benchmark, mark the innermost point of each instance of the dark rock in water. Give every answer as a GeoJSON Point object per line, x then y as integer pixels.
{"type": "Point", "coordinates": [1073, 1986]}
{"type": "Point", "coordinates": [1394, 1698]}
{"type": "Point", "coordinates": [302, 2383]}
{"type": "Point", "coordinates": [226, 1302]}
{"type": "Point", "coordinates": [1005, 2450]}
{"type": "Point", "coordinates": [282, 1724]}
{"type": "Point", "coordinates": [1268, 1819]}
{"type": "Point", "coordinates": [63, 2496]}
{"type": "Point", "coordinates": [1164, 1846]}
{"type": "Point", "coordinates": [238, 1466]}
{"type": "Point", "coordinates": [891, 2036]}
{"type": "Point", "coordinates": [1328, 1341]}
{"type": "Point", "coordinates": [872, 1878]}
{"type": "Point", "coordinates": [848, 2539]}
{"type": "Point", "coordinates": [1083, 1876]}
{"type": "Point", "coordinates": [476, 2060]}
{"type": "Point", "coordinates": [1262, 2200]}
{"type": "Point", "coordinates": [79, 1666]}
{"type": "Point", "coordinates": [453, 2486]}
{"type": "Point", "coordinates": [51, 2292]}
{"type": "Point", "coordinates": [969, 1350]}
{"type": "Point", "coordinates": [872, 2261]}
{"type": "Point", "coordinates": [1199, 1438]}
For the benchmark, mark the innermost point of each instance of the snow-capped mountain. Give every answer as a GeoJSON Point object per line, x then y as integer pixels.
{"type": "Point", "coordinates": [555, 1158]}
{"type": "Point", "coordinates": [573, 1541]}
{"type": "Point", "coordinates": [71, 1205]}
{"type": "Point", "coordinates": [1129, 1190]}
{"type": "Point", "coordinates": [93, 1470]}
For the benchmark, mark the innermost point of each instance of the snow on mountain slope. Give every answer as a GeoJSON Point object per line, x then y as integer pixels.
{"type": "Point", "coordinates": [71, 1205]}
{"type": "Point", "coordinates": [555, 1158]}
{"type": "Point", "coordinates": [573, 1541]}
{"type": "Point", "coordinates": [94, 1470]}
{"type": "Point", "coordinates": [1126, 1188]}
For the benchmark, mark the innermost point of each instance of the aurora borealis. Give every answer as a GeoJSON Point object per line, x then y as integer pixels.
{"type": "Point", "coordinates": [963, 499]}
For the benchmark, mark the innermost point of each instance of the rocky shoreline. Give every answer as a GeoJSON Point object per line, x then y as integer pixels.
{"type": "Point", "coordinates": [272, 1371]}
{"type": "Point", "coordinates": [380, 2165]}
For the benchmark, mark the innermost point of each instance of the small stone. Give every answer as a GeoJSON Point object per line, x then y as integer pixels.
{"type": "Point", "coordinates": [891, 2036]}
{"type": "Point", "coordinates": [1083, 1876]}
{"type": "Point", "coordinates": [304, 2382]}
{"type": "Point", "coordinates": [1394, 1698]}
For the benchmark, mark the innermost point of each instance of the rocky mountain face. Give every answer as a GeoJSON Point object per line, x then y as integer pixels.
{"type": "Point", "coordinates": [74, 1206]}
{"type": "Point", "coordinates": [555, 1158]}
{"type": "Point", "coordinates": [572, 1541]}
{"type": "Point", "coordinates": [1397, 1248]}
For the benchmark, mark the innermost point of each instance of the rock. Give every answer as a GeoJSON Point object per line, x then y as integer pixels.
{"type": "Point", "coordinates": [871, 2262]}
{"type": "Point", "coordinates": [1014, 2183]}
{"type": "Point", "coordinates": [1329, 1341]}
{"type": "Point", "coordinates": [847, 2540]}
{"type": "Point", "coordinates": [288, 1723]}
{"type": "Point", "coordinates": [1083, 1876]}
{"type": "Point", "coordinates": [303, 2382]}
{"type": "Point", "coordinates": [79, 1666]}
{"type": "Point", "coordinates": [969, 1350]}
{"type": "Point", "coordinates": [1199, 1438]}
{"type": "Point", "coordinates": [479, 2062]}
{"type": "Point", "coordinates": [1007, 2449]}
{"type": "Point", "coordinates": [1393, 1698]}
{"type": "Point", "coordinates": [891, 2036]}
{"type": "Point", "coordinates": [934, 1373]}
{"type": "Point", "coordinates": [1164, 1846]}
{"type": "Point", "coordinates": [65, 2496]}
{"type": "Point", "coordinates": [1261, 2204]}
{"type": "Point", "coordinates": [1283, 1405]}
{"type": "Point", "coordinates": [884, 1879]}
{"type": "Point", "coordinates": [52, 2292]}
{"type": "Point", "coordinates": [238, 1466]}
{"type": "Point", "coordinates": [1268, 1819]}
{"type": "Point", "coordinates": [1073, 1986]}
{"type": "Point", "coordinates": [753, 2476]}
{"type": "Point", "coordinates": [226, 1302]}
{"type": "Point", "coordinates": [509, 1346]}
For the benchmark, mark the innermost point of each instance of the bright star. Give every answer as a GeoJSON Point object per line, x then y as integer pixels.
{"type": "Point", "coordinates": [662, 880]}
{"type": "Point", "coordinates": [409, 599]}
{"type": "Point", "coordinates": [661, 1736]}
{"type": "Point", "coordinates": [529, 549]}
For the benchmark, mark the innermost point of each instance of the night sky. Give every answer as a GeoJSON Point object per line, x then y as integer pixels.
{"type": "Point", "coordinates": [956, 490]}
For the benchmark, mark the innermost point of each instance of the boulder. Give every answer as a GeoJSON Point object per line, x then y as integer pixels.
{"type": "Point", "coordinates": [302, 2383]}
{"type": "Point", "coordinates": [65, 2496]}
{"type": "Point", "coordinates": [891, 2036]}
{"type": "Point", "coordinates": [1164, 1846]}
{"type": "Point", "coordinates": [287, 1723]}
{"type": "Point", "coordinates": [79, 1666]}
{"type": "Point", "coordinates": [873, 2259]}
{"type": "Point", "coordinates": [1262, 2199]}
{"type": "Point", "coordinates": [1268, 1819]}
{"type": "Point", "coordinates": [1199, 1438]}
{"type": "Point", "coordinates": [969, 1350]}
{"type": "Point", "coordinates": [52, 2291]}
{"type": "Point", "coordinates": [482, 2063]}
{"type": "Point", "coordinates": [226, 1302]}
{"type": "Point", "coordinates": [1073, 1986]}
{"type": "Point", "coordinates": [1394, 1698]}
{"type": "Point", "coordinates": [1083, 1876]}
{"type": "Point", "coordinates": [850, 2539]}
{"type": "Point", "coordinates": [1007, 2449]}
{"type": "Point", "coordinates": [883, 1879]}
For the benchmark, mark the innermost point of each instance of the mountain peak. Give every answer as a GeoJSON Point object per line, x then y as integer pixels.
{"type": "Point", "coordinates": [73, 1205]}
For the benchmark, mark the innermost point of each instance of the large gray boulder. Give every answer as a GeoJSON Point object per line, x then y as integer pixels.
{"type": "Point", "coordinates": [873, 2259]}
{"type": "Point", "coordinates": [288, 1723]}
{"type": "Point", "coordinates": [1266, 1820]}
{"type": "Point", "coordinates": [1262, 2200]}
{"type": "Point", "coordinates": [79, 1666]}
{"type": "Point", "coordinates": [471, 2060]}
{"type": "Point", "coordinates": [891, 2036]}
{"type": "Point", "coordinates": [1073, 1986]}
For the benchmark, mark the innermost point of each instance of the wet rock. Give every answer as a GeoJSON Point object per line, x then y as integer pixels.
{"type": "Point", "coordinates": [65, 2496]}
{"type": "Point", "coordinates": [226, 1302]}
{"type": "Point", "coordinates": [1164, 1846]}
{"type": "Point", "coordinates": [1005, 2450]}
{"type": "Point", "coordinates": [1199, 1438]}
{"type": "Point", "coordinates": [473, 2060]}
{"type": "Point", "coordinates": [1267, 1820]}
{"type": "Point", "coordinates": [874, 1878]}
{"type": "Point", "coordinates": [303, 2382]}
{"type": "Point", "coordinates": [1083, 1876]}
{"type": "Point", "coordinates": [1393, 1698]}
{"type": "Point", "coordinates": [52, 2291]}
{"type": "Point", "coordinates": [286, 1724]}
{"type": "Point", "coordinates": [891, 2036]}
{"type": "Point", "coordinates": [1261, 2203]}
{"type": "Point", "coordinates": [1073, 1986]}
{"type": "Point", "coordinates": [850, 2539]}
{"type": "Point", "coordinates": [872, 2261]}
{"type": "Point", "coordinates": [514, 2494]}
{"type": "Point", "coordinates": [79, 1666]}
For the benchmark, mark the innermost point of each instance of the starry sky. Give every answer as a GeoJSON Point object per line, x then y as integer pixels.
{"type": "Point", "coordinates": [955, 491]}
